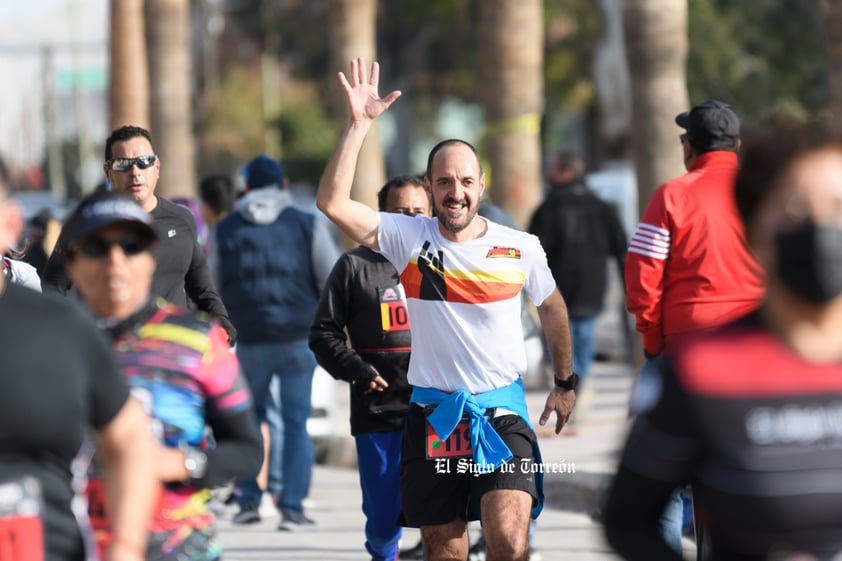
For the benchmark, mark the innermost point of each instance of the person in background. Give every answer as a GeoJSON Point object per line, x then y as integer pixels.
{"type": "Point", "coordinates": [746, 412]}
{"type": "Point", "coordinates": [37, 239]}
{"type": "Point", "coordinates": [178, 365]}
{"type": "Point", "coordinates": [364, 296]}
{"type": "Point", "coordinates": [274, 260]}
{"type": "Point", "coordinates": [195, 210]}
{"type": "Point", "coordinates": [217, 195]}
{"type": "Point", "coordinates": [131, 166]}
{"type": "Point", "coordinates": [463, 277]}
{"type": "Point", "coordinates": [688, 267]}
{"type": "Point", "coordinates": [579, 232]}
{"type": "Point", "coordinates": [58, 382]}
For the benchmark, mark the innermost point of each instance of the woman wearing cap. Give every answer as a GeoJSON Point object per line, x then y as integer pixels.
{"type": "Point", "coordinates": [58, 381]}
{"type": "Point", "coordinates": [179, 366]}
{"type": "Point", "coordinates": [749, 413]}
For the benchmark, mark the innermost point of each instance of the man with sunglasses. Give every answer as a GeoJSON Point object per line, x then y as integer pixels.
{"type": "Point", "coordinates": [132, 167]}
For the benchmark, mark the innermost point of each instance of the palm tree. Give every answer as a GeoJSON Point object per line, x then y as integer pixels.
{"type": "Point", "coordinates": [351, 33]}
{"type": "Point", "coordinates": [832, 22]}
{"type": "Point", "coordinates": [168, 41]}
{"type": "Point", "coordinates": [656, 47]}
{"type": "Point", "coordinates": [128, 95]}
{"type": "Point", "coordinates": [511, 39]}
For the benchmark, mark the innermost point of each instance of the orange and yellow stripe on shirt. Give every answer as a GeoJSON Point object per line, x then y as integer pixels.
{"type": "Point", "coordinates": [468, 287]}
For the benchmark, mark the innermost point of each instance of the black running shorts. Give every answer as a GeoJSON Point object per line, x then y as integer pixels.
{"type": "Point", "coordinates": [438, 491]}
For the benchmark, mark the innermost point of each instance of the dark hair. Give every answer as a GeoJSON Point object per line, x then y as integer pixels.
{"type": "Point", "coordinates": [396, 183]}
{"type": "Point", "coordinates": [572, 161]}
{"type": "Point", "coordinates": [727, 144]}
{"type": "Point", "coordinates": [218, 192]}
{"type": "Point", "coordinates": [443, 144]}
{"type": "Point", "coordinates": [768, 153]}
{"type": "Point", "coordinates": [124, 133]}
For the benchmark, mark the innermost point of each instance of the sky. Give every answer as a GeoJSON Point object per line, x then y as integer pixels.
{"type": "Point", "coordinates": [26, 26]}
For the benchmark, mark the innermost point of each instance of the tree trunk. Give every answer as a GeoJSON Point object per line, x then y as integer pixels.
{"type": "Point", "coordinates": [352, 29]}
{"type": "Point", "coordinates": [511, 39]}
{"type": "Point", "coordinates": [613, 86]}
{"type": "Point", "coordinates": [168, 41]}
{"type": "Point", "coordinates": [128, 95]}
{"type": "Point", "coordinates": [656, 46]}
{"type": "Point", "coordinates": [832, 23]}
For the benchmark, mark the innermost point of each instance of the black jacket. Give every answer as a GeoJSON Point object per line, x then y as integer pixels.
{"type": "Point", "coordinates": [181, 271]}
{"type": "Point", "coordinates": [579, 232]}
{"type": "Point", "coordinates": [362, 294]}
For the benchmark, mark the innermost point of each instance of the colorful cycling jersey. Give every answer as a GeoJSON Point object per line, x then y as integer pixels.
{"type": "Point", "coordinates": [464, 300]}
{"type": "Point", "coordinates": [183, 372]}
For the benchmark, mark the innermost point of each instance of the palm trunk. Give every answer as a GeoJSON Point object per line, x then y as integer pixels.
{"type": "Point", "coordinates": [128, 95]}
{"type": "Point", "coordinates": [832, 23]}
{"type": "Point", "coordinates": [656, 46]}
{"type": "Point", "coordinates": [511, 58]}
{"type": "Point", "coordinates": [352, 34]}
{"type": "Point", "coordinates": [168, 40]}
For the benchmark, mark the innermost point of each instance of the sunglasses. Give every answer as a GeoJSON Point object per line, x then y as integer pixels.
{"type": "Point", "coordinates": [683, 139]}
{"type": "Point", "coordinates": [125, 164]}
{"type": "Point", "coordinates": [99, 248]}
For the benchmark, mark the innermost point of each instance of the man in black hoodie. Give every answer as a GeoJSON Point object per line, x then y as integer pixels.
{"type": "Point", "coordinates": [182, 272]}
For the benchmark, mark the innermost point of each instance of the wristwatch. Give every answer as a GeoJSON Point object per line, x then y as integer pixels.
{"type": "Point", "coordinates": [570, 383]}
{"type": "Point", "coordinates": [196, 462]}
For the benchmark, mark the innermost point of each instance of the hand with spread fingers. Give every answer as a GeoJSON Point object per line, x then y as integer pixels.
{"type": "Point", "coordinates": [364, 103]}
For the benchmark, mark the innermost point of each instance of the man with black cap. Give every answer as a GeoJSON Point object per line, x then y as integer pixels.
{"type": "Point", "coordinates": [688, 267]}
{"type": "Point", "coordinates": [274, 259]}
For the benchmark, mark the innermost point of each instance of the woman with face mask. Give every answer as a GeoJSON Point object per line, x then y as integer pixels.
{"type": "Point", "coordinates": [751, 413]}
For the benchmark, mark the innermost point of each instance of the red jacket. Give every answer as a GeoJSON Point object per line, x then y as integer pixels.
{"type": "Point", "coordinates": [688, 267]}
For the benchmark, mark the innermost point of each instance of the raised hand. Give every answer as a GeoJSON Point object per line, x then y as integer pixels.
{"type": "Point", "coordinates": [364, 103]}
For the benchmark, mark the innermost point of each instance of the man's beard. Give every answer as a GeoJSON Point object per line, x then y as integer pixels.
{"type": "Point", "coordinates": [456, 225]}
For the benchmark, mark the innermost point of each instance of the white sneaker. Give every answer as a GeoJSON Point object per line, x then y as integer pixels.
{"type": "Point", "coordinates": [267, 508]}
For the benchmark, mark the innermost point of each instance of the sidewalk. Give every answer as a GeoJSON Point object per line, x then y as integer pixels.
{"type": "Point", "coordinates": [564, 531]}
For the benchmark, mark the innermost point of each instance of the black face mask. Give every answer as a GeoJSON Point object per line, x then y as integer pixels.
{"type": "Point", "coordinates": [810, 262]}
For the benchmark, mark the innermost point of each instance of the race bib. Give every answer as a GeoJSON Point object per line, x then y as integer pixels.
{"type": "Point", "coordinates": [393, 312]}
{"type": "Point", "coordinates": [457, 445]}
{"type": "Point", "coordinates": [21, 527]}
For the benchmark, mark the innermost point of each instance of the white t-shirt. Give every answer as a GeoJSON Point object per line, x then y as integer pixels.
{"type": "Point", "coordinates": [464, 300]}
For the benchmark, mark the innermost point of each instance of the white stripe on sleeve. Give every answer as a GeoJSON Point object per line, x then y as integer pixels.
{"type": "Point", "coordinates": [651, 241]}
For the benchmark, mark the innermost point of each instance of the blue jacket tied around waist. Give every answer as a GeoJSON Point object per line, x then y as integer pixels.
{"type": "Point", "coordinates": [489, 450]}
